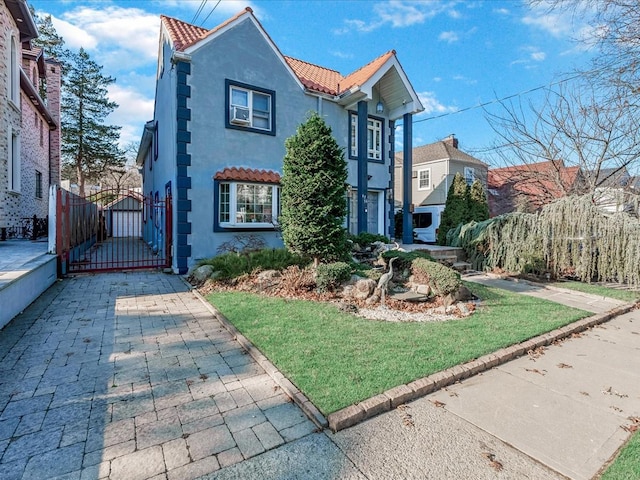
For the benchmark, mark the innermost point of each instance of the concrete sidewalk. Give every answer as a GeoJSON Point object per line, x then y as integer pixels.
{"type": "Point", "coordinates": [570, 298]}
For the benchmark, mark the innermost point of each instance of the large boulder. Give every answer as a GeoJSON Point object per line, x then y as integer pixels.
{"type": "Point", "coordinates": [363, 288]}
{"type": "Point", "coordinates": [202, 274]}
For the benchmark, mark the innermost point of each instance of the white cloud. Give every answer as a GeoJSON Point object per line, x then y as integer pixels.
{"type": "Point", "coordinates": [449, 37]}
{"type": "Point", "coordinates": [432, 105]}
{"type": "Point", "coordinates": [400, 14]}
{"type": "Point", "coordinates": [538, 56]}
{"type": "Point", "coordinates": [467, 81]}
{"type": "Point", "coordinates": [107, 25]}
{"type": "Point", "coordinates": [133, 111]}
{"type": "Point", "coordinates": [74, 37]}
{"type": "Point", "coordinates": [339, 54]}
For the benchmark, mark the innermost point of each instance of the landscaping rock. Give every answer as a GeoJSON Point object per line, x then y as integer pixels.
{"type": "Point", "coordinates": [421, 289]}
{"type": "Point", "coordinates": [363, 288]}
{"type": "Point", "coordinates": [268, 275]}
{"type": "Point", "coordinates": [202, 273]}
{"type": "Point", "coordinates": [347, 307]}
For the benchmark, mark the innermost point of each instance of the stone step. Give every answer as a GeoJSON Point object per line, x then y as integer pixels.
{"type": "Point", "coordinates": [461, 266]}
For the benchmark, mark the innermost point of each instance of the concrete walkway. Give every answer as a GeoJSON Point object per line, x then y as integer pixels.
{"type": "Point", "coordinates": [129, 376]}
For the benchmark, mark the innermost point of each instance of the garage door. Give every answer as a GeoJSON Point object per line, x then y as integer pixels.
{"type": "Point", "coordinates": [127, 224]}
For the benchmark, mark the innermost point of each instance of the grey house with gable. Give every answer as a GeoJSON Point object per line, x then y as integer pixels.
{"type": "Point", "coordinates": [226, 101]}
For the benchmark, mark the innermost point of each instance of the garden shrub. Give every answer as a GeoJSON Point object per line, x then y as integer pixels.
{"type": "Point", "coordinates": [404, 259]}
{"type": "Point", "coordinates": [330, 276]}
{"type": "Point", "coordinates": [442, 280]}
{"type": "Point", "coordinates": [365, 238]}
{"type": "Point", "coordinates": [233, 265]}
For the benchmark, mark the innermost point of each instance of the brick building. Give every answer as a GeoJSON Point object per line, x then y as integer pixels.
{"type": "Point", "coordinates": [29, 124]}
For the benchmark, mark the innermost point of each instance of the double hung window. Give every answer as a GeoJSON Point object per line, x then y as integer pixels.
{"type": "Point", "coordinates": [250, 108]}
{"type": "Point", "coordinates": [424, 179]}
{"type": "Point", "coordinates": [374, 137]}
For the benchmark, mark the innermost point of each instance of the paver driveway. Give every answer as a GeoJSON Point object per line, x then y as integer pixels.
{"type": "Point", "coordinates": [129, 376]}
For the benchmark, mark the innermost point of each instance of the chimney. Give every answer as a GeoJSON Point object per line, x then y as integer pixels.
{"type": "Point", "coordinates": [53, 105]}
{"type": "Point", "coordinates": [451, 140]}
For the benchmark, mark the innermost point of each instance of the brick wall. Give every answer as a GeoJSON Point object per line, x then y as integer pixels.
{"type": "Point", "coordinates": [10, 117]}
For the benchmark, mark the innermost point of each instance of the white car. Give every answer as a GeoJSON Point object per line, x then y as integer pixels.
{"type": "Point", "coordinates": [427, 220]}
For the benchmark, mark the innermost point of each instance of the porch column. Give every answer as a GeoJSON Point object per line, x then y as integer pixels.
{"type": "Point", "coordinates": [363, 174]}
{"type": "Point", "coordinates": [407, 166]}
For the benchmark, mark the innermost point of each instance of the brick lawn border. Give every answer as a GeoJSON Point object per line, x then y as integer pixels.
{"type": "Point", "coordinates": [392, 398]}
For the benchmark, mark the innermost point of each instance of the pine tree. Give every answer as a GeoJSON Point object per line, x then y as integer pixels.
{"type": "Point", "coordinates": [313, 193]}
{"type": "Point", "coordinates": [51, 44]}
{"type": "Point", "coordinates": [88, 145]}
{"type": "Point", "coordinates": [478, 209]}
{"type": "Point", "coordinates": [456, 208]}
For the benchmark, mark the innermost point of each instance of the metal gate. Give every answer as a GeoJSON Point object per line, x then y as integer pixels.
{"type": "Point", "coordinates": [112, 230]}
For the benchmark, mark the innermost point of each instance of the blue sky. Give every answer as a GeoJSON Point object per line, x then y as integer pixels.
{"type": "Point", "coordinates": [457, 54]}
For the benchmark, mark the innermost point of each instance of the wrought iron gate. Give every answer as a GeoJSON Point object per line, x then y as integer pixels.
{"type": "Point", "coordinates": [112, 230]}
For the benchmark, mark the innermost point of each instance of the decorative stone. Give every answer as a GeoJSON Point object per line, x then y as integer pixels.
{"type": "Point", "coordinates": [202, 273]}
{"type": "Point", "coordinates": [268, 275]}
{"type": "Point", "coordinates": [364, 288]}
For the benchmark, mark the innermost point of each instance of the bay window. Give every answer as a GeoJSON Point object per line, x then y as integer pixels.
{"type": "Point", "coordinates": [247, 205]}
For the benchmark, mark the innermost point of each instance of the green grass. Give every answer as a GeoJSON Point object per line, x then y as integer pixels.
{"type": "Point", "coordinates": [627, 465]}
{"type": "Point", "coordinates": [624, 295]}
{"type": "Point", "coordinates": [337, 359]}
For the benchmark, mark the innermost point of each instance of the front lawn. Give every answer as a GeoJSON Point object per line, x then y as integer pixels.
{"type": "Point", "coordinates": [627, 465]}
{"type": "Point", "coordinates": [624, 295]}
{"type": "Point", "coordinates": [338, 359]}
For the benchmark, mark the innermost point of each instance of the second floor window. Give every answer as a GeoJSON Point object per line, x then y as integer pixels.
{"type": "Point", "coordinates": [424, 179]}
{"type": "Point", "coordinates": [469, 175]}
{"type": "Point", "coordinates": [250, 108]}
{"type": "Point", "coordinates": [38, 184]}
{"type": "Point", "coordinates": [374, 138]}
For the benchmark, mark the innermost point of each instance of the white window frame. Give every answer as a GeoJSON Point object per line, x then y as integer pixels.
{"type": "Point", "coordinates": [375, 142]}
{"type": "Point", "coordinates": [252, 111]}
{"type": "Point", "coordinates": [13, 173]}
{"type": "Point", "coordinates": [238, 219]}
{"type": "Point", "coordinates": [428, 186]}
{"type": "Point", "coordinates": [13, 85]}
{"type": "Point", "coordinates": [469, 175]}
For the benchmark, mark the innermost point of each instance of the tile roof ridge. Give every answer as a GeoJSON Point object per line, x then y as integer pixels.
{"type": "Point", "coordinates": [220, 26]}
{"type": "Point", "coordinates": [312, 64]}
{"type": "Point", "coordinates": [388, 53]}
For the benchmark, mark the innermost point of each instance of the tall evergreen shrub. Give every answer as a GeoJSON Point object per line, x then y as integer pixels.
{"type": "Point", "coordinates": [313, 193]}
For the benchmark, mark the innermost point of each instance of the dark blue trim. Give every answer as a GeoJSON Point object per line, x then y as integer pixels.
{"type": "Point", "coordinates": [407, 167]}
{"type": "Point", "coordinates": [183, 161]}
{"type": "Point", "coordinates": [229, 83]}
{"type": "Point", "coordinates": [363, 175]}
{"type": "Point", "coordinates": [352, 157]}
{"type": "Point", "coordinates": [391, 221]}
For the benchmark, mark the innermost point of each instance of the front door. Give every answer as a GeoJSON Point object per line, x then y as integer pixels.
{"type": "Point", "coordinates": [372, 211]}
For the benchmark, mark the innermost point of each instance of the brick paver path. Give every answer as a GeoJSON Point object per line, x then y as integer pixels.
{"type": "Point", "coordinates": [129, 376]}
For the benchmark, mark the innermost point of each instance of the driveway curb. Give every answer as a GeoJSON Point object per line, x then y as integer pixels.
{"type": "Point", "coordinates": [289, 389]}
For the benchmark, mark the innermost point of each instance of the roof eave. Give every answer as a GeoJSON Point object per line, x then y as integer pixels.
{"type": "Point", "coordinates": [145, 141]}
{"type": "Point", "coordinates": [22, 16]}
{"type": "Point", "coordinates": [31, 92]}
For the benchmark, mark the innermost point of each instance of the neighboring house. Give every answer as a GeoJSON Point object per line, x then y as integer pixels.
{"type": "Point", "coordinates": [29, 125]}
{"type": "Point", "coordinates": [226, 101]}
{"type": "Point", "coordinates": [433, 168]}
{"type": "Point", "coordinates": [529, 187]}
{"type": "Point", "coordinates": [613, 190]}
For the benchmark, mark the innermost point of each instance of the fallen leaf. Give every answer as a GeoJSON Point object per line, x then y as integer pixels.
{"type": "Point", "coordinates": [630, 428]}
{"type": "Point", "coordinates": [535, 370]}
{"type": "Point", "coordinates": [585, 394]}
{"type": "Point", "coordinates": [616, 408]}
{"type": "Point", "coordinates": [564, 365]}
{"type": "Point", "coordinates": [492, 461]}
{"type": "Point", "coordinates": [535, 353]}
{"type": "Point", "coordinates": [203, 377]}
{"type": "Point", "coordinates": [438, 403]}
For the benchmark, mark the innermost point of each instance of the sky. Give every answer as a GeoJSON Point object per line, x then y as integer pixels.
{"type": "Point", "coordinates": [457, 54]}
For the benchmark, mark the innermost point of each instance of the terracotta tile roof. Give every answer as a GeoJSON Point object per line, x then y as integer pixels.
{"type": "Point", "coordinates": [363, 74]}
{"type": "Point", "coordinates": [531, 185]}
{"type": "Point", "coordinates": [313, 77]}
{"type": "Point", "coordinates": [182, 33]}
{"type": "Point", "coordinates": [248, 175]}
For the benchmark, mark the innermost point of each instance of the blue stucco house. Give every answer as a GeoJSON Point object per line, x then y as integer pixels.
{"type": "Point", "coordinates": [226, 101]}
